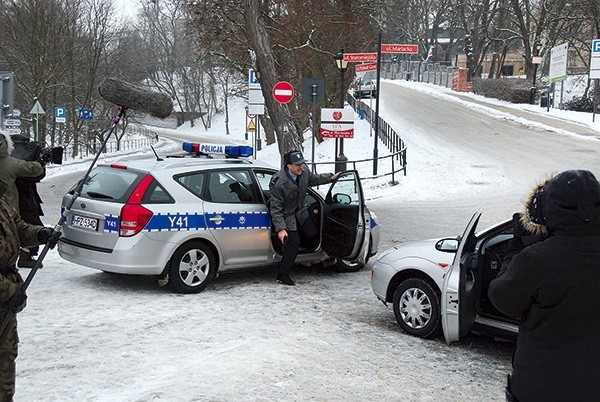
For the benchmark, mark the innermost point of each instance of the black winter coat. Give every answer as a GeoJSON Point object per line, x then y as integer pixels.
{"type": "Point", "coordinates": [554, 288]}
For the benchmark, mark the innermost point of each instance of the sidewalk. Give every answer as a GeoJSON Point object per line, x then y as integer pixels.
{"type": "Point", "coordinates": [553, 122]}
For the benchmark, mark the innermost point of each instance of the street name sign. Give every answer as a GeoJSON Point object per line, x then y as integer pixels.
{"type": "Point", "coordinates": [360, 68]}
{"type": "Point", "coordinates": [354, 57]}
{"type": "Point", "coordinates": [397, 48]}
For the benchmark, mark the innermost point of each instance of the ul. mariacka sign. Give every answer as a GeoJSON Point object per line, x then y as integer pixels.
{"type": "Point", "coordinates": [337, 123]}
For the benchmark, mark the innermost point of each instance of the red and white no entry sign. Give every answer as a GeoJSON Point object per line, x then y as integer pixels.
{"type": "Point", "coordinates": [283, 92]}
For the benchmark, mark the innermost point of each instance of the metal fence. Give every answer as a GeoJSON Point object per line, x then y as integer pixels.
{"type": "Point", "coordinates": [144, 139]}
{"type": "Point", "coordinates": [396, 160]}
{"type": "Point", "coordinates": [432, 73]}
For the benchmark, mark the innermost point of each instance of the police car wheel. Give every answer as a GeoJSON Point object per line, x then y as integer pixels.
{"type": "Point", "coordinates": [192, 267]}
{"type": "Point", "coordinates": [348, 266]}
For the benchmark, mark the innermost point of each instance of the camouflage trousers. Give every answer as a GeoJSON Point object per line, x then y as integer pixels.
{"type": "Point", "coordinates": [9, 342]}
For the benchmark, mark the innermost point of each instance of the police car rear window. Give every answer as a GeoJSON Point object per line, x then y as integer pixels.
{"type": "Point", "coordinates": [110, 184]}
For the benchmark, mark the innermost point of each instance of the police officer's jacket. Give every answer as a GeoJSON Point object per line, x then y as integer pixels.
{"type": "Point", "coordinates": [288, 197]}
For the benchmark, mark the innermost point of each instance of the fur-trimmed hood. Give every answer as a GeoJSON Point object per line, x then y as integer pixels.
{"type": "Point", "coordinates": [6, 144]}
{"type": "Point", "coordinates": [566, 203]}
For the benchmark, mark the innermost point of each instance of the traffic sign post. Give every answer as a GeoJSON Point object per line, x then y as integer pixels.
{"type": "Point", "coordinates": [283, 92]}
{"type": "Point", "coordinates": [37, 110]}
{"type": "Point", "coordinates": [595, 71]}
{"type": "Point", "coordinates": [86, 114]}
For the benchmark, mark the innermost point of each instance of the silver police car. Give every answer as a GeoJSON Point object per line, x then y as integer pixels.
{"type": "Point", "coordinates": [184, 219]}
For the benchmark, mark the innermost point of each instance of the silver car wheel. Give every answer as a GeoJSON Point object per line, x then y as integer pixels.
{"type": "Point", "coordinates": [194, 267]}
{"type": "Point", "coordinates": [415, 308]}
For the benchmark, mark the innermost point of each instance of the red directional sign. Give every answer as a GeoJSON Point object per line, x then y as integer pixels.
{"type": "Point", "coordinates": [410, 49]}
{"type": "Point", "coordinates": [283, 92]}
{"type": "Point", "coordinates": [366, 67]}
{"type": "Point", "coordinates": [352, 57]}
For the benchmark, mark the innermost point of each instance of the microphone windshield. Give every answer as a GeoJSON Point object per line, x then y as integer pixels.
{"type": "Point", "coordinates": [124, 94]}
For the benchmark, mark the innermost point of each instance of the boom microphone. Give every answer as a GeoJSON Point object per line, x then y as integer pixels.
{"type": "Point", "coordinates": [131, 96]}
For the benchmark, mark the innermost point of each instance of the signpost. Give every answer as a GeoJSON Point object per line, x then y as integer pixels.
{"type": "Point", "coordinates": [37, 110]}
{"type": "Point", "coordinates": [256, 101]}
{"type": "Point", "coordinates": [60, 114]}
{"type": "Point", "coordinates": [86, 114]}
{"type": "Point", "coordinates": [558, 68]}
{"type": "Point", "coordinates": [595, 71]}
{"type": "Point", "coordinates": [396, 48]}
{"type": "Point", "coordinates": [354, 57]}
{"type": "Point", "coordinates": [337, 123]}
{"type": "Point", "coordinates": [283, 92]}
{"type": "Point", "coordinates": [360, 68]}
{"type": "Point", "coordinates": [313, 91]}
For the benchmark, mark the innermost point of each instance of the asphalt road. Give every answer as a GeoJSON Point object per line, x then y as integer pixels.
{"type": "Point", "coordinates": [524, 155]}
{"type": "Point", "coordinates": [327, 338]}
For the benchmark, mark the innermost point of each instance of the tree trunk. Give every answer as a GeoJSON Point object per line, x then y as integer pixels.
{"type": "Point", "coordinates": [281, 117]}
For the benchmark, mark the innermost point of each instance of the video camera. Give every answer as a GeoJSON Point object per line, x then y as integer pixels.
{"type": "Point", "coordinates": [32, 151]}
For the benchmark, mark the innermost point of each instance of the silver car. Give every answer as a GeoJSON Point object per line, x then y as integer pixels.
{"type": "Point", "coordinates": [443, 283]}
{"type": "Point", "coordinates": [184, 219]}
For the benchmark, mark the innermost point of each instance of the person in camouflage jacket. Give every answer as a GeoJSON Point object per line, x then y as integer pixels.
{"type": "Point", "coordinates": [13, 168]}
{"type": "Point", "coordinates": [14, 232]}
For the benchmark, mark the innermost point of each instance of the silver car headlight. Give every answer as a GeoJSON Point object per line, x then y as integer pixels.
{"type": "Point", "coordinates": [384, 253]}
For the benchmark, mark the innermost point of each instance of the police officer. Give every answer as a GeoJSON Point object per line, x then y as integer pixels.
{"type": "Point", "coordinates": [14, 232]}
{"type": "Point", "coordinates": [289, 212]}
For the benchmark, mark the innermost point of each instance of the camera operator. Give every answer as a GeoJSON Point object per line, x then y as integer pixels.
{"type": "Point", "coordinates": [30, 202]}
{"type": "Point", "coordinates": [13, 170]}
{"type": "Point", "coordinates": [551, 282]}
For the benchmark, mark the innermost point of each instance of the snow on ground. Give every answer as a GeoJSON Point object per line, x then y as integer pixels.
{"type": "Point", "coordinates": [92, 336]}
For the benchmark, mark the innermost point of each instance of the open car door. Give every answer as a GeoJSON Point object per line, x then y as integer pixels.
{"type": "Point", "coordinates": [345, 232]}
{"type": "Point", "coordinates": [459, 295]}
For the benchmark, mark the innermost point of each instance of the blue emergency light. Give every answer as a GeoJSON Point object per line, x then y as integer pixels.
{"type": "Point", "coordinates": [234, 151]}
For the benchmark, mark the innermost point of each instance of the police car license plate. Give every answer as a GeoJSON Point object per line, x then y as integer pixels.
{"type": "Point", "coordinates": [84, 222]}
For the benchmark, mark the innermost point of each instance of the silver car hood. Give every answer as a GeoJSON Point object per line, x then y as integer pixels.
{"type": "Point", "coordinates": [422, 249]}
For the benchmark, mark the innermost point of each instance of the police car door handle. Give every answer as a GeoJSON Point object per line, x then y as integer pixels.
{"type": "Point", "coordinates": [217, 218]}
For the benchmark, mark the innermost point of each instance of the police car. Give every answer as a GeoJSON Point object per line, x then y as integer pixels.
{"type": "Point", "coordinates": [183, 219]}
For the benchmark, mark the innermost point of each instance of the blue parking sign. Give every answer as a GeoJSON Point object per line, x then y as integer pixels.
{"type": "Point", "coordinates": [86, 114]}
{"type": "Point", "coordinates": [596, 46]}
{"type": "Point", "coordinates": [60, 114]}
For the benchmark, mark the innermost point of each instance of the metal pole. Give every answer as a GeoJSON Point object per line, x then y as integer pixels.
{"type": "Point", "coordinates": [340, 160]}
{"type": "Point", "coordinates": [375, 151]}
{"type": "Point", "coordinates": [314, 123]}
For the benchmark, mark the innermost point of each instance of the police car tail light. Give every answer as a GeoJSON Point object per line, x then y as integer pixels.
{"type": "Point", "coordinates": [134, 216]}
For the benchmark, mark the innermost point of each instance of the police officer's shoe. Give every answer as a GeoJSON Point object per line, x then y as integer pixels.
{"type": "Point", "coordinates": [26, 261]}
{"type": "Point", "coordinates": [285, 279]}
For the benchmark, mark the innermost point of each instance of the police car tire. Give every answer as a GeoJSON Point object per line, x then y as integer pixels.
{"type": "Point", "coordinates": [348, 266]}
{"type": "Point", "coordinates": [189, 253]}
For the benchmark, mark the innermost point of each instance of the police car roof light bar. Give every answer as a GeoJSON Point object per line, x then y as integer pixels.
{"type": "Point", "coordinates": [230, 151]}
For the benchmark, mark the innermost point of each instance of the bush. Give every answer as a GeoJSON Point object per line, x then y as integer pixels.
{"type": "Point", "coordinates": [513, 90]}
{"type": "Point", "coordinates": [579, 104]}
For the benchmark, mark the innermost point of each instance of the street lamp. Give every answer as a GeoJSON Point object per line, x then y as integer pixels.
{"type": "Point", "coordinates": [536, 60]}
{"type": "Point", "coordinates": [340, 160]}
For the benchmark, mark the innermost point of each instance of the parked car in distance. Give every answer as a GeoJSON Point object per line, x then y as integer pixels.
{"type": "Point", "coordinates": [443, 283]}
{"type": "Point", "coordinates": [364, 86]}
{"type": "Point", "coordinates": [184, 219]}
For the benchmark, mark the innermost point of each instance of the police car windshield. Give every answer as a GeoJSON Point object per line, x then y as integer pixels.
{"type": "Point", "coordinates": [111, 183]}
